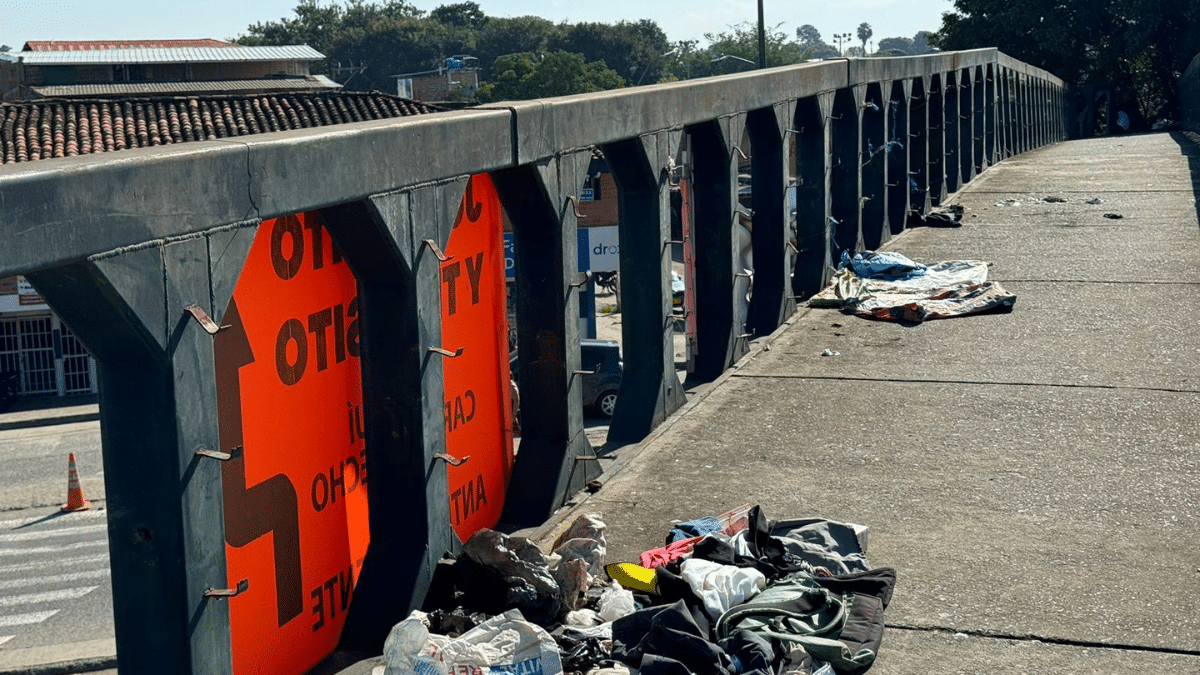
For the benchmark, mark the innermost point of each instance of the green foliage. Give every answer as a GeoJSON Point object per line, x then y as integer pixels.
{"type": "Point", "coordinates": [528, 75]}
{"type": "Point", "coordinates": [462, 14]}
{"type": "Point", "coordinates": [864, 33]}
{"type": "Point", "coordinates": [512, 36]}
{"type": "Point", "coordinates": [1139, 47]}
{"type": "Point", "coordinates": [633, 49]}
{"type": "Point", "coordinates": [733, 51]}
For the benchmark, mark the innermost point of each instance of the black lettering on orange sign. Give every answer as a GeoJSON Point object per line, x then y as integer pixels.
{"type": "Point", "coordinates": [452, 272]}
{"type": "Point", "coordinates": [458, 413]}
{"type": "Point", "coordinates": [287, 266]}
{"type": "Point", "coordinates": [270, 507]}
{"type": "Point", "coordinates": [292, 332]}
{"type": "Point", "coordinates": [326, 489]}
{"type": "Point", "coordinates": [337, 589]}
{"type": "Point", "coordinates": [354, 419]}
{"type": "Point", "coordinates": [468, 499]}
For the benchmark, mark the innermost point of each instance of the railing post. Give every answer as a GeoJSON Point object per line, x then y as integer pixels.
{"type": "Point", "coordinates": [844, 174]}
{"type": "Point", "coordinates": [918, 144]}
{"type": "Point", "coordinates": [547, 470]}
{"type": "Point", "coordinates": [981, 84]}
{"type": "Point", "coordinates": [650, 389]}
{"type": "Point", "coordinates": [156, 367]}
{"type": "Point", "coordinates": [720, 335]}
{"type": "Point", "coordinates": [899, 196]}
{"type": "Point", "coordinates": [872, 162]}
{"type": "Point", "coordinates": [952, 128]}
{"type": "Point", "coordinates": [812, 128]}
{"type": "Point", "coordinates": [936, 114]}
{"type": "Point", "coordinates": [966, 125]}
{"type": "Point", "coordinates": [400, 315]}
{"type": "Point", "coordinates": [771, 302]}
{"type": "Point", "coordinates": [991, 118]}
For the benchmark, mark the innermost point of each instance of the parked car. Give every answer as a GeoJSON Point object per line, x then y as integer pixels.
{"type": "Point", "coordinates": [601, 381]}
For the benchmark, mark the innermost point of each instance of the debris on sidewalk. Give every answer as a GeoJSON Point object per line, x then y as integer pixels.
{"type": "Point", "coordinates": [950, 216]}
{"type": "Point", "coordinates": [751, 596]}
{"type": "Point", "coordinates": [1113, 216]}
{"type": "Point", "coordinates": [889, 286]}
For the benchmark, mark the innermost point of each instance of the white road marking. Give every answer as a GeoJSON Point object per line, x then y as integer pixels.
{"type": "Point", "coordinates": [66, 517]}
{"type": "Point", "coordinates": [47, 596]}
{"type": "Point", "coordinates": [54, 579]}
{"type": "Point", "coordinates": [52, 549]}
{"type": "Point", "coordinates": [26, 619]}
{"type": "Point", "coordinates": [24, 567]}
{"type": "Point", "coordinates": [56, 532]}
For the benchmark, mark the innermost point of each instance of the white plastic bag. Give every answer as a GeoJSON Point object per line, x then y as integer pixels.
{"type": "Point", "coordinates": [502, 645]}
{"type": "Point", "coordinates": [616, 602]}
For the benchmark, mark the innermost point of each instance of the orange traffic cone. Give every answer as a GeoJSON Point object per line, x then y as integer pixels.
{"type": "Point", "coordinates": [75, 498]}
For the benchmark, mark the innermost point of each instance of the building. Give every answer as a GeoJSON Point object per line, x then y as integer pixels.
{"type": "Point", "coordinates": [53, 69]}
{"type": "Point", "coordinates": [458, 79]}
{"type": "Point", "coordinates": [34, 343]}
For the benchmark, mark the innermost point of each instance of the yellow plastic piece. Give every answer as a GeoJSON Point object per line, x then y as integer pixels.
{"type": "Point", "coordinates": [633, 577]}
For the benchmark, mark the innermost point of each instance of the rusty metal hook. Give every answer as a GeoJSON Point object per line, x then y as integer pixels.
{"type": "Point", "coordinates": [437, 250]}
{"type": "Point", "coordinates": [452, 461]}
{"type": "Point", "coordinates": [446, 352]}
{"type": "Point", "coordinates": [204, 319]}
{"type": "Point", "coordinates": [242, 587]}
{"type": "Point", "coordinates": [218, 455]}
{"type": "Point", "coordinates": [575, 206]}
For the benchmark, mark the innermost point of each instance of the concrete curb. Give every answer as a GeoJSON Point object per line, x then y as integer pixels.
{"type": "Point", "coordinates": [8, 425]}
{"type": "Point", "coordinates": [83, 665]}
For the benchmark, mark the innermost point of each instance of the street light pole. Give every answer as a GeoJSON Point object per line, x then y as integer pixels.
{"type": "Point", "coordinates": [762, 38]}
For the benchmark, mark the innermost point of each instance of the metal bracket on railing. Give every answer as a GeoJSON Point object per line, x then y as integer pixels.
{"type": "Point", "coordinates": [587, 458]}
{"type": "Point", "coordinates": [582, 280]}
{"type": "Point", "coordinates": [675, 241]}
{"type": "Point", "coordinates": [585, 372]}
{"type": "Point", "coordinates": [218, 455]}
{"type": "Point", "coordinates": [204, 320]}
{"type": "Point", "coordinates": [746, 335]}
{"type": "Point", "coordinates": [446, 352]}
{"type": "Point", "coordinates": [743, 274]}
{"type": "Point", "coordinates": [575, 206]}
{"type": "Point", "coordinates": [833, 117]}
{"type": "Point", "coordinates": [242, 587]}
{"type": "Point", "coordinates": [795, 131]}
{"type": "Point", "coordinates": [893, 184]}
{"type": "Point", "coordinates": [437, 250]}
{"type": "Point", "coordinates": [792, 246]}
{"type": "Point", "coordinates": [452, 461]}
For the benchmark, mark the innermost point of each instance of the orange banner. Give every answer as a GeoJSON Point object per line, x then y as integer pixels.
{"type": "Point", "coordinates": [477, 408]}
{"type": "Point", "coordinates": [295, 499]}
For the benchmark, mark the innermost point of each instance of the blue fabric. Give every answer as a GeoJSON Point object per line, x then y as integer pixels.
{"type": "Point", "coordinates": [693, 528]}
{"type": "Point", "coordinates": [882, 265]}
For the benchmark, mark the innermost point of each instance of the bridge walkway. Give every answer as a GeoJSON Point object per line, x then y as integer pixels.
{"type": "Point", "coordinates": [1034, 477]}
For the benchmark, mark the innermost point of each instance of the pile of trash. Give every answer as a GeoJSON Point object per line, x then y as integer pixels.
{"type": "Point", "coordinates": [887, 285]}
{"type": "Point", "coordinates": [737, 594]}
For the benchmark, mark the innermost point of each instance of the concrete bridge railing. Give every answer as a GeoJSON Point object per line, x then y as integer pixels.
{"type": "Point", "coordinates": [120, 244]}
{"type": "Point", "coordinates": [1189, 95]}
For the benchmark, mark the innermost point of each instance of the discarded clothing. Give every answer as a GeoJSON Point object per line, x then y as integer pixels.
{"type": "Point", "coordinates": [780, 548]}
{"type": "Point", "coordinates": [661, 556]}
{"type": "Point", "coordinates": [947, 289]}
{"type": "Point", "coordinates": [693, 528]}
{"type": "Point", "coordinates": [882, 265]}
{"type": "Point", "coordinates": [503, 644]}
{"type": "Point", "coordinates": [719, 586]}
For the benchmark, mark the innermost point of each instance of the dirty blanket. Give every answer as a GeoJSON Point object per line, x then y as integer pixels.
{"type": "Point", "coordinates": [943, 290]}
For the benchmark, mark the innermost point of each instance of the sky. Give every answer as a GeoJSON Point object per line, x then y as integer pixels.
{"type": "Point", "coordinates": [25, 20]}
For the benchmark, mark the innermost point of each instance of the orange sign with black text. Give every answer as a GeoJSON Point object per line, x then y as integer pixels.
{"type": "Point", "coordinates": [295, 495]}
{"type": "Point", "coordinates": [478, 409]}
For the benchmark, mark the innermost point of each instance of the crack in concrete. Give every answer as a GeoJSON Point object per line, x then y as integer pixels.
{"type": "Point", "coordinates": [846, 378]}
{"type": "Point", "coordinates": [1030, 637]}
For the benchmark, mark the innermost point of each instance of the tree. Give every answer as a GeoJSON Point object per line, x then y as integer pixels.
{"type": "Point", "coordinates": [741, 40]}
{"type": "Point", "coordinates": [896, 46]}
{"type": "Point", "coordinates": [1138, 47]}
{"type": "Point", "coordinates": [462, 14]}
{"type": "Point", "coordinates": [633, 49]}
{"type": "Point", "coordinates": [864, 34]}
{"type": "Point", "coordinates": [921, 44]}
{"type": "Point", "coordinates": [527, 75]}
{"type": "Point", "coordinates": [808, 35]}
{"type": "Point", "coordinates": [501, 36]}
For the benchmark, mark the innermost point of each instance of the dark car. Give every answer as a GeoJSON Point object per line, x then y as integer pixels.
{"type": "Point", "coordinates": [601, 359]}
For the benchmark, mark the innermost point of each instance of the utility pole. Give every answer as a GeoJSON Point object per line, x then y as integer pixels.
{"type": "Point", "coordinates": [762, 38]}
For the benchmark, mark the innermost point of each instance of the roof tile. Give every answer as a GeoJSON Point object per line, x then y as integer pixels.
{"type": "Point", "coordinates": [68, 127]}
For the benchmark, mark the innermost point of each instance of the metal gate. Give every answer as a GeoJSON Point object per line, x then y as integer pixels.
{"type": "Point", "coordinates": [77, 376]}
{"type": "Point", "coordinates": [27, 346]}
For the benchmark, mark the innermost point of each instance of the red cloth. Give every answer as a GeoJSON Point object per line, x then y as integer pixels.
{"type": "Point", "coordinates": [661, 556]}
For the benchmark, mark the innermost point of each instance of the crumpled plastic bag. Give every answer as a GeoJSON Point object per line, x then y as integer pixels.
{"type": "Point", "coordinates": [616, 602]}
{"type": "Point", "coordinates": [721, 587]}
{"type": "Point", "coordinates": [502, 645]}
{"type": "Point", "coordinates": [497, 572]}
{"type": "Point", "coordinates": [584, 540]}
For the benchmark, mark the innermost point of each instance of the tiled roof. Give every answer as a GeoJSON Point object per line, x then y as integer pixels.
{"type": "Point", "coordinates": [171, 55]}
{"type": "Point", "coordinates": [92, 45]}
{"type": "Point", "coordinates": [65, 128]}
{"type": "Point", "coordinates": [313, 83]}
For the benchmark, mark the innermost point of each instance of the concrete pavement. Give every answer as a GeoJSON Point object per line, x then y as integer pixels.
{"type": "Point", "coordinates": [1034, 477]}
